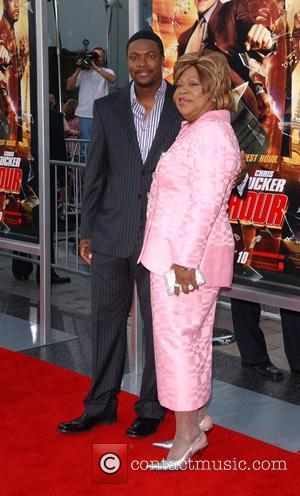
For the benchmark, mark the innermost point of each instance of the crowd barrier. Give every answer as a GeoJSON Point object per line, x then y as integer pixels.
{"type": "Point", "coordinates": [69, 180]}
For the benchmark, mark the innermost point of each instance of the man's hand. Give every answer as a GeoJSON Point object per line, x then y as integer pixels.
{"type": "Point", "coordinates": [95, 66]}
{"type": "Point", "coordinates": [5, 57]}
{"type": "Point", "coordinates": [241, 174]}
{"type": "Point", "coordinates": [85, 250]}
{"type": "Point", "coordinates": [259, 38]}
{"type": "Point", "coordinates": [185, 278]}
{"type": "Point", "coordinates": [79, 62]}
{"type": "Point", "coordinates": [264, 104]}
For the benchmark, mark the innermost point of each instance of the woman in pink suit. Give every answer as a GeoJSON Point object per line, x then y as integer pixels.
{"type": "Point", "coordinates": [187, 227]}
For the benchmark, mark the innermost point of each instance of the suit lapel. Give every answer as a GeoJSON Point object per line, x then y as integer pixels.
{"type": "Point", "coordinates": [126, 119]}
{"type": "Point", "coordinates": [169, 117]}
{"type": "Point", "coordinates": [214, 18]}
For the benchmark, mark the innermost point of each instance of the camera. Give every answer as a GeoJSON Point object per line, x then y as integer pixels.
{"type": "Point", "coordinates": [85, 60]}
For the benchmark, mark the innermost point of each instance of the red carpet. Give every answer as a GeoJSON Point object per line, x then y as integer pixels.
{"type": "Point", "coordinates": [38, 460]}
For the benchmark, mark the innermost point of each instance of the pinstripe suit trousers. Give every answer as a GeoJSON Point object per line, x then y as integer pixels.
{"type": "Point", "coordinates": [112, 290]}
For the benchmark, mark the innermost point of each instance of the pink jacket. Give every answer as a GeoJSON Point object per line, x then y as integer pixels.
{"type": "Point", "coordinates": [187, 221]}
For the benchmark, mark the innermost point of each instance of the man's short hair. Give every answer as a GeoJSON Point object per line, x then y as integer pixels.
{"type": "Point", "coordinates": [104, 52]}
{"type": "Point", "coordinates": [99, 48]}
{"type": "Point", "coordinates": [146, 34]}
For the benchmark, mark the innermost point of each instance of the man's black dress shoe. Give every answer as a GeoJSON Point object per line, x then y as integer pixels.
{"type": "Point", "coordinates": [85, 423]}
{"type": "Point", "coordinates": [143, 426]}
{"type": "Point", "coordinates": [55, 278]}
{"type": "Point", "coordinates": [266, 369]}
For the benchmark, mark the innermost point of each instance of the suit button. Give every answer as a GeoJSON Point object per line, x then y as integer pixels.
{"type": "Point", "coordinates": [143, 173]}
{"type": "Point", "coordinates": [139, 196]}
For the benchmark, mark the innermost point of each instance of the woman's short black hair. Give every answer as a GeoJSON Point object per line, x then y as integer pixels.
{"type": "Point", "coordinates": [146, 34]}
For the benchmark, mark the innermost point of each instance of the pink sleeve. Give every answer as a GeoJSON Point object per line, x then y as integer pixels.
{"type": "Point", "coordinates": [214, 159]}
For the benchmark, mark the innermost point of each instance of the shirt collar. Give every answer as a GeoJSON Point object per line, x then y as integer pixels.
{"type": "Point", "coordinates": [160, 92]}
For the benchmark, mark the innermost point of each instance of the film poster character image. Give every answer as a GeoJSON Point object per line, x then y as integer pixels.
{"type": "Point", "coordinates": [17, 178]}
{"type": "Point", "coordinates": [261, 41]}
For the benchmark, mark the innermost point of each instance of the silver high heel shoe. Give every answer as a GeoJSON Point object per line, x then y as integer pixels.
{"type": "Point", "coordinates": [205, 425]}
{"type": "Point", "coordinates": [198, 445]}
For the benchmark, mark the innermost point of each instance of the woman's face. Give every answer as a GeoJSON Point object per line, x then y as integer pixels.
{"type": "Point", "coordinates": [189, 98]}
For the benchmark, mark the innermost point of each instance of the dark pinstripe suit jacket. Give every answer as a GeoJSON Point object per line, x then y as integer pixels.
{"type": "Point", "coordinates": [116, 180]}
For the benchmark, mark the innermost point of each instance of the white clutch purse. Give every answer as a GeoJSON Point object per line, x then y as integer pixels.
{"type": "Point", "coordinates": [170, 280]}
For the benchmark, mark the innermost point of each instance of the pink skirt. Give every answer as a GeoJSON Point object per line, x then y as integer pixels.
{"type": "Point", "coordinates": [182, 328]}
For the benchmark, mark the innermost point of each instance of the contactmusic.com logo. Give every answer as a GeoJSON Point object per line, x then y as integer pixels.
{"type": "Point", "coordinates": [110, 463]}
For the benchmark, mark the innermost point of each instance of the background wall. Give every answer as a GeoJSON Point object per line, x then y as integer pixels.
{"type": "Point", "coordinates": [79, 19]}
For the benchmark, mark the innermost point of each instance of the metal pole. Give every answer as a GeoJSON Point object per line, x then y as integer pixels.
{"type": "Point", "coordinates": [58, 52]}
{"type": "Point", "coordinates": [107, 30]}
{"type": "Point", "coordinates": [135, 339]}
{"type": "Point", "coordinates": [135, 342]}
{"type": "Point", "coordinates": [134, 16]}
{"type": "Point", "coordinates": [44, 165]}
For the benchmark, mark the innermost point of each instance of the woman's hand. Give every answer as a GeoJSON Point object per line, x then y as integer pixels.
{"type": "Point", "coordinates": [185, 278]}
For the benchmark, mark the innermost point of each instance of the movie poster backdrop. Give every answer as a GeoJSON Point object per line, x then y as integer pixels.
{"type": "Point", "coordinates": [18, 122]}
{"type": "Point", "coordinates": [266, 220]}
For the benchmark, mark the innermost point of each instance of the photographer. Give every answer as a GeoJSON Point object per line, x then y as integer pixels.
{"type": "Point", "coordinates": [92, 77]}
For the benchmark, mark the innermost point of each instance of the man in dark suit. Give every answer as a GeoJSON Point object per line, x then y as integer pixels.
{"type": "Point", "coordinates": [228, 27]}
{"type": "Point", "coordinates": [252, 344]}
{"type": "Point", "coordinates": [131, 129]}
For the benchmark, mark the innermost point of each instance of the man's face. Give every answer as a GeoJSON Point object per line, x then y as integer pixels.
{"type": "Point", "coordinates": [203, 5]}
{"type": "Point", "coordinates": [145, 62]}
{"type": "Point", "coordinates": [11, 8]}
{"type": "Point", "coordinates": [101, 57]}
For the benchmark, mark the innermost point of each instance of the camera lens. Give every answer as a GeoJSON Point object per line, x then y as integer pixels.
{"type": "Point", "coordinates": [86, 59]}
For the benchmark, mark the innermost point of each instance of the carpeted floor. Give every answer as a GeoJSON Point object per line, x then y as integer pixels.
{"type": "Point", "coordinates": [38, 460]}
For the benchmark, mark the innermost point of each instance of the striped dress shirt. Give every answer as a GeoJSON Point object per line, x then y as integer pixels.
{"type": "Point", "coordinates": [146, 128]}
